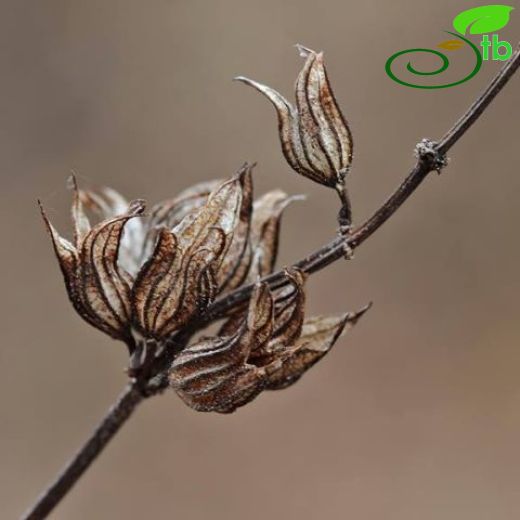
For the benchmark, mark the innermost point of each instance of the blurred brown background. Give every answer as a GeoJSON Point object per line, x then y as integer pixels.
{"type": "Point", "coordinates": [415, 415]}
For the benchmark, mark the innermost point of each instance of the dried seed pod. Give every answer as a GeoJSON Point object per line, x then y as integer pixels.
{"type": "Point", "coordinates": [98, 287]}
{"type": "Point", "coordinates": [183, 275]}
{"type": "Point", "coordinates": [265, 231]}
{"type": "Point", "coordinates": [288, 314]}
{"type": "Point", "coordinates": [208, 250]}
{"type": "Point", "coordinates": [107, 203]}
{"type": "Point", "coordinates": [318, 336]}
{"type": "Point", "coordinates": [267, 347]}
{"type": "Point", "coordinates": [290, 308]}
{"type": "Point", "coordinates": [235, 264]}
{"type": "Point", "coordinates": [213, 375]}
{"type": "Point", "coordinates": [316, 140]}
{"type": "Point", "coordinates": [171, 212]}
{"type": "Point", "coordinates": [288, 317]}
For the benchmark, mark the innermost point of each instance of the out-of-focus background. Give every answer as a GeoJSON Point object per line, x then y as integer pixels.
{"type": "Point", "coordinates": [415, 414]}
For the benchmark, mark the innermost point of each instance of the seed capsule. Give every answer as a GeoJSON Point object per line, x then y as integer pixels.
{"type": "Point", "coordinates": [316, 140]}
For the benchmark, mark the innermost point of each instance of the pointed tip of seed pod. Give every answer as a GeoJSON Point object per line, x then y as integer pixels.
{"type": "Point", "coordinates": [42, 210]}
{"type": "Point", "coordinates": [248, 81]}
{"type": "Point", "coordinates": [243, 79]}
{"type": "Point", "coordinates": [304, 51]}
{"type": "Point", "coordinates": [280, 200]}
{"type": "Point", "coordinates": [247, 167]}
{"type": "Point", "coordinates": [136, 207]}
{"type": "Point", "coordinates": [72, 181]}
{"type": "Point", "coordinates": [294, 198]}
{"type": "Point", "coordinates": [45, 218]}
{"type": "Point", "coordinates": [296, 275]}
{"type": "Point", "coordinates": [244, 176]}
{"type": "Point", "coordinates": [349, 319]}
{"type": "Point", "coordinates": [353, 317]}
{"type": "Point", "coordinates": [243, 172]}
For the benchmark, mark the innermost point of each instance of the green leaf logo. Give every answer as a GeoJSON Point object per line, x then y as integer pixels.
{"type": "Point", "coordinates": [483, 19]}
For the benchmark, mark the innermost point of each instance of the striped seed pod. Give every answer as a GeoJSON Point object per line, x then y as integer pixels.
{"type": "Point", "coordinates": [315, 137]}
{"type": "Point", "coordinates": [268, 347]}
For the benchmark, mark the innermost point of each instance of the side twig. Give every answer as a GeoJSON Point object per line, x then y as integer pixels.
{"type": "Point", "coordinates": [430, 158]}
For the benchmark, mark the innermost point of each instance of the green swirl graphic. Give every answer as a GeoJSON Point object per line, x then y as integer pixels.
{"type": "Point", "coordinates": [445, 64]}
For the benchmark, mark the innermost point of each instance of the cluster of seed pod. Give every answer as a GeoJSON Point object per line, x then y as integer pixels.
{"type": "Point", "coordinates": [267, 347]}
{"type": "Point", "coordinates": [141, 278]}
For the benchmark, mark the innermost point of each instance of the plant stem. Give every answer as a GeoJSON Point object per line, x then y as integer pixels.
{"type": "Point", "coordinates": [334, 250]}
{"type": "Point", "coordinates": [109, 426]}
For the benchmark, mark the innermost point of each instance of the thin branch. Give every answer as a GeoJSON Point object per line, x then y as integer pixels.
{"type": "Point", "coordinates": [481, 103]}
{"type": "Point", "coordinates": [109, 426]}
{"type": "Point", "coordinates": [429, 159]}
{"type": "Point", "coordinates": [345, 212]}
{"type": "Point", "coordinates": [426, 163]}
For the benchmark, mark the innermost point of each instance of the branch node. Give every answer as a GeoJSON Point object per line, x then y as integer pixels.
{"type": "Point", "coordinates": [345, 232]}
{"type": "Point", "coordinates": [348, 252]}
{"type": "Point", "coordinates": [427, 153]}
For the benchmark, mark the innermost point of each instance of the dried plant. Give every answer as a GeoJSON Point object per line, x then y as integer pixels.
{"type": "Point", "coordinates": [141, 279]}
{"type": "Point", "coordinates": [156, 279]}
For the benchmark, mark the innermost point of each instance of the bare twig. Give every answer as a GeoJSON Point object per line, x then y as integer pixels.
{"type": "Point", "coordinates": [430, 158]}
